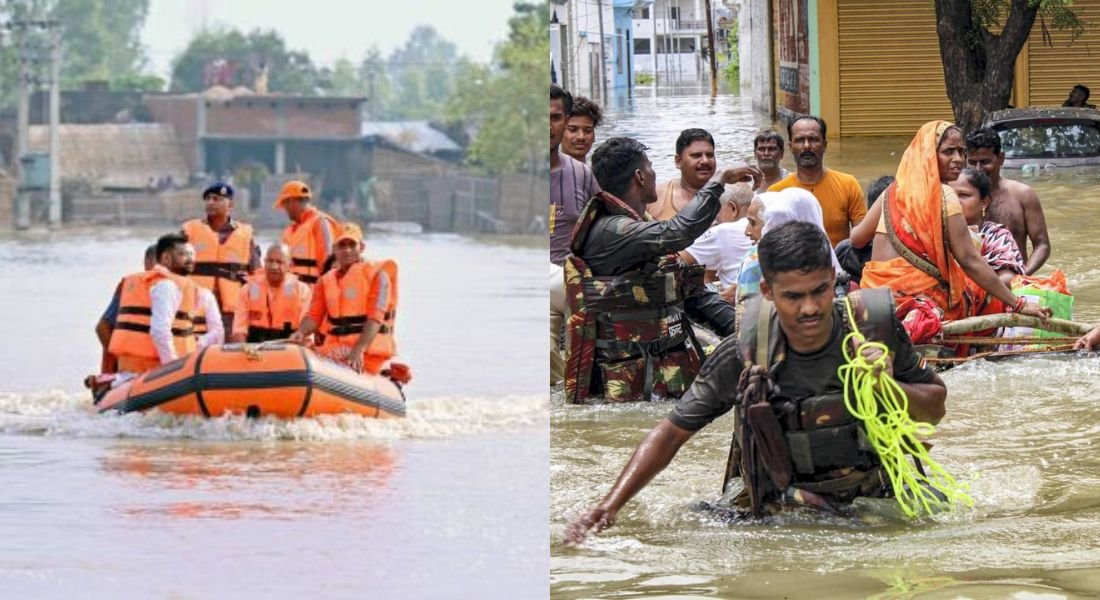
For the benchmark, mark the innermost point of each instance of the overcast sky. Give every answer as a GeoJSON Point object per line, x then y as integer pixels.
{"type": "Point", "coordinates": [328, 29]}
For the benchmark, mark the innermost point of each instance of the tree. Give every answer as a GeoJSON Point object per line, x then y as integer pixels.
{"type": "Point", "coordinates": [978, 64]}
{"type": "Point", "coordinates": [507, 104]}
{"type": "Point", "coordinates": [376, 81]}
{"type": "Point", "coordinates": [231, 58]}
{"type": "Point", "coordinates": [422, 74]}
{"type": "Point", "coordinates": [101, 41]}
{"type": "Point", "coordinates": [342, 79]}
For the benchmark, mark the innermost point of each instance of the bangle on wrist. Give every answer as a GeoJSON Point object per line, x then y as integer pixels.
{"type": "Point", "coordinates": [1021, 302]}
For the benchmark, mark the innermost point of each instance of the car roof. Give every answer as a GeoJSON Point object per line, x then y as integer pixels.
{"type": "Point", "coordinates": [1016, 115]}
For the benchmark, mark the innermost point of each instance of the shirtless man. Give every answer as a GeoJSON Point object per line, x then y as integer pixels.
{"type": "Point", "coordinates": [695, 159]}
{"type": "Point", "coordinates": [1015, 205]}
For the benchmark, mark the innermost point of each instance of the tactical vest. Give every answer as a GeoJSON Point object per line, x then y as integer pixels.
{"type": "Point", "coordinates": [801, 449]}
{"type": "Point", "coordinates": [628, 333]}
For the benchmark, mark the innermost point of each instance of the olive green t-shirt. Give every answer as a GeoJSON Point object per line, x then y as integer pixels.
{"type": "Point", "coordinates": [714, 391]}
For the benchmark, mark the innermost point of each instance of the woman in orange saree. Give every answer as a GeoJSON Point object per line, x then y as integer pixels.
{"type": "Point", "coordinates": [922, 249]}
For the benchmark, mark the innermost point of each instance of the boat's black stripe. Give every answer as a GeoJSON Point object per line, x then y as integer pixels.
{"type": "Point", "coordinates": [279, 379]}
{"type": "Point", "coordinates": [158, 396]}
{"type": "Point", "coordinates": [309, 373]}
{"type": "Point", "coordinates": [198, 388]}
{"type": "Point", "coordinates": [348, 391]}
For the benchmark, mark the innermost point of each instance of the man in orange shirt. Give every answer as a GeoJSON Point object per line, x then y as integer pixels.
{"type": "Point", "coordinates": [356, 301]}
{"type": "Point", "coordinates": [310, 234]}
{"type": "Point", "coordinates": [840, 196]}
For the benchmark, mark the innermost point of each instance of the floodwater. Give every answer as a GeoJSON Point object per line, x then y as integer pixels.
{"type": "Point", "coordinates": [449, 502]}
{"type": "Point", "coordinates": [1022, 433]}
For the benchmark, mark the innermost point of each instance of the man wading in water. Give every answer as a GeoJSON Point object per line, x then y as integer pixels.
{"type": "Point", "coordinates": [800, 445]}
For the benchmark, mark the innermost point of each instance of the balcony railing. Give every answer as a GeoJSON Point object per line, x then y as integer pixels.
{"type": "Point", "coordinates": [689, 25]}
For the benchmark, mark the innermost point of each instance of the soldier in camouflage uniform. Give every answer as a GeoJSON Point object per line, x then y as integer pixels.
{"type": "Point", "coordinates": [797, 444]}
{"type": "Point", "coordinates": [629, 294]}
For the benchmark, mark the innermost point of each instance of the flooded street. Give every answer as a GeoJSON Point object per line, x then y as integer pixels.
{"type": "Point", "coordinates": [1023, 433]}
{"type": "Point", "coordinates": [454, 497]}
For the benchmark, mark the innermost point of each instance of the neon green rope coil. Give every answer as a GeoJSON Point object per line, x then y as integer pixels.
{"type": "Point", "coordinates": [883, 406]}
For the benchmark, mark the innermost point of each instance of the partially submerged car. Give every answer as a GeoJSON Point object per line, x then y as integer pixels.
{"type": "Point", "coordinates": [1041, 137]}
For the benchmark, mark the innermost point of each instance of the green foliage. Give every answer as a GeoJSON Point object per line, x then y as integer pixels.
{"type": "Point", "coordinates": [421, 74]}
{"type": "Point", "coordinates": [289, 71]}
{"type": "Point", "coordinates": [341, 79]}
{"type": "Point", "coordinates": [374, 75]}
{"type": "Point", "coordinates": [101, 40]}
{"type": "Point", "coordinates": [507, 103]}
{"type": "Point", "coordinates": [987, 14]}
{"type": "Point", "coordinates": [732, 70]}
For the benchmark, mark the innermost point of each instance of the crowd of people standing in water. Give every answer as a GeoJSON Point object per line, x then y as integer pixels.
{"type": "Point", "coordinates": [206, 284]}
{"type": "Point", "coordinates": [760, 256]}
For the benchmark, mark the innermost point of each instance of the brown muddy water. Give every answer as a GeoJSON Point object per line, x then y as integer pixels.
{"type": "Point", "coordinates": [449, 502]}
{"type": "Point", "coordinates": [1023, 433]}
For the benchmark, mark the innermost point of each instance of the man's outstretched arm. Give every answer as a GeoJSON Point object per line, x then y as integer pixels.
{"type": "Point", "coordinates": [651, 457]}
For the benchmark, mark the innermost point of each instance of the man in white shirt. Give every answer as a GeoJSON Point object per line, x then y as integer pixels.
{"type": "Point", "coordinates": [166, 296]}
{"type": "Point", "coordinates": [723, 246]}
{"type": "Point", "coordinates": [157, 309]}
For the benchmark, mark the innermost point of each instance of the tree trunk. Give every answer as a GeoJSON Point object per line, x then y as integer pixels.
{"type": "Point", "coordinates": [979, 66]}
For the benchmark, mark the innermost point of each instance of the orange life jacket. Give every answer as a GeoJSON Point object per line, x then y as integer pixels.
{"type": "Point", "coordinates": [346, 310]}
{"type": "Point", "coordinates": [217, 265]}
{"type": "Point", "coordinates": [131, 341]}
{"type": "Point", "coordinates": [273, 316]}
{"type": "Point", "coordinates": [308, 247]}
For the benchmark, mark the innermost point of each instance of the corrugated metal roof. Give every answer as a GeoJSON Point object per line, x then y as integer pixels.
{"type": "Point", "coordinates": [414, 136]}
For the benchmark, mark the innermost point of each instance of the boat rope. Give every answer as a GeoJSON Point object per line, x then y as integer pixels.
{"type": "Point", "coordinates": [874, 397]}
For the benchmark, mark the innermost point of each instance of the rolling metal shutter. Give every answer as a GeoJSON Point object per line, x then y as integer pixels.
{"type": "Point", "coordinates": [891, 77]}
{"type": "Point", "coordinates": [1053, 71]}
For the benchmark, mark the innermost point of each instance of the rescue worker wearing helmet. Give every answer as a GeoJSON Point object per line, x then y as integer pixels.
{"type": "Point", "coordinates": [310, 234]}
{"type": "Point", "coordinates": [354, 305]}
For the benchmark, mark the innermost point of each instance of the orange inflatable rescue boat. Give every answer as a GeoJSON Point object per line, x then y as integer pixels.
{"type": "Point", "coordinates": [280, 379]}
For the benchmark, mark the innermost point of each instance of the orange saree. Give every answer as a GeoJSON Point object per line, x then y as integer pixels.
{"type": "Point", "coordinates": [915, 216]}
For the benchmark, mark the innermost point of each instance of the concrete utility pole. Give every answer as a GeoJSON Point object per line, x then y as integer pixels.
{"type": "Point", "coordinates": [713, 62]}
{"type": "Point", "coordinates": [55, 128]}
{"type": "Point", "coordinates": [29, 61]}
{"type": "Point", "coordinates": [603, 64]}
{"type": "Point", "coordinates": [654, 47]}
{"type": "Point", "coordinates": [22, 123]}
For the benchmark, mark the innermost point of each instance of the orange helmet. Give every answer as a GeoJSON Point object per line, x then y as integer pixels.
{"type": "Point", "coordinates": [293, 189]}
{"type": "Point", "coordinates": [351, 232]}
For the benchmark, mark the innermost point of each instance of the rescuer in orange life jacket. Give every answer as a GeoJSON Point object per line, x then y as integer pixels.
{"type": "Point", "coordinates": [310, 234]}
{"type": "Point", "coordinates": [273, 302]}
{"type": "Point", "coordinates": [356, 302]}
{"type": "Point", "coordinates": [225, 253]}
{"type": "Point", "coordinates": [156, 310]}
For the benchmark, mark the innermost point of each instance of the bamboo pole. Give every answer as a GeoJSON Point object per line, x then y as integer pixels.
{"type": "Point", "coordinates": [1014, 320]}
